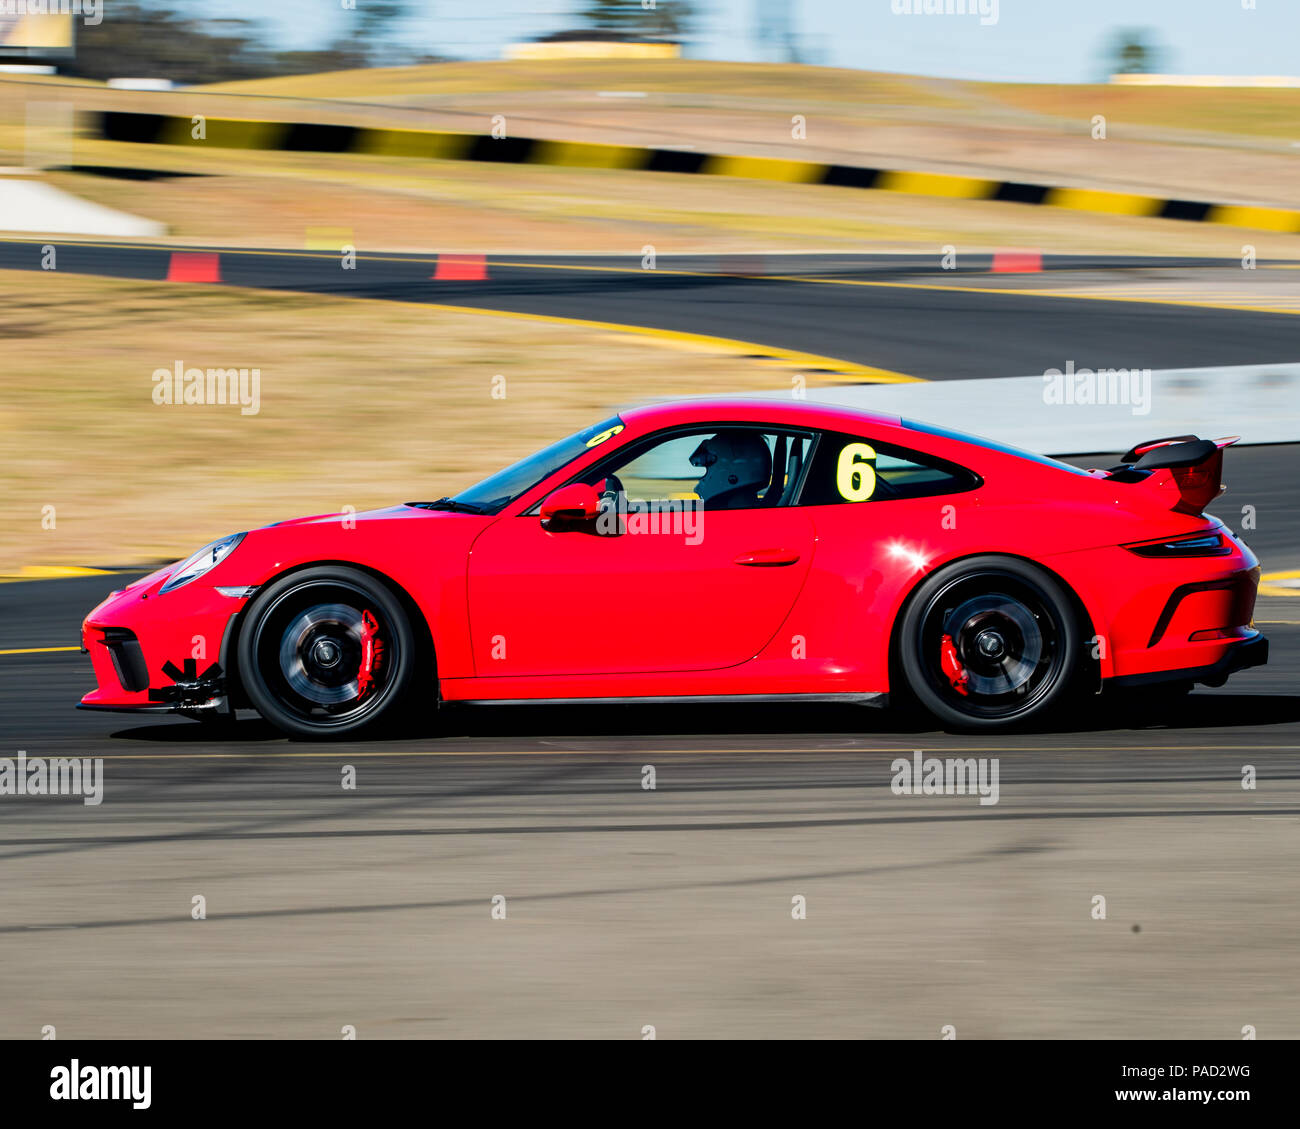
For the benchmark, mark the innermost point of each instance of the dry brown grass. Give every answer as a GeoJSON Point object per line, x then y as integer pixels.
{"type": "Point", "coordinates": [1262, 113]}
{"type": "Point", "coordinates": [697, 77]}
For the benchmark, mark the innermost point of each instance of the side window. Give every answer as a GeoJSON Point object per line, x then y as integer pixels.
{"type": "Point", "coordinates": [720, 468]}
{"type": "Point", "coordinates": [850, 468]}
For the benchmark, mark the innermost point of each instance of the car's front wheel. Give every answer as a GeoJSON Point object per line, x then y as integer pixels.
{"type": "Point", "coordinates": [989, 642]}
{"type": "Point", "coordinates": [327, 652]}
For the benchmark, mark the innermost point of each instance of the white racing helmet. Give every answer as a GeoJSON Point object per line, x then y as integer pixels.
{"type": "Point", "coordinates": [737, 465]}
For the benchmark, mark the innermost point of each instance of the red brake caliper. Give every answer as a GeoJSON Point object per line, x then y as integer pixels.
{"type": "Point", "coordinates": [951, 665]}
{"type": "Point", "coordinates": [372, 654]}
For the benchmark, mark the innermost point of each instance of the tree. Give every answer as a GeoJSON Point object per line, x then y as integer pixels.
{"type": "Point", "coordinates": [1132, 53]}
{"type": "Point", "coordinates": [377, 18]}
{"type": "Point", "coordinates": [655, 18]}
{"type": "Point", "coordinates": [155, 39]}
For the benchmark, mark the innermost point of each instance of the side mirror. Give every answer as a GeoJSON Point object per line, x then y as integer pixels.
{"type": "Point", "coordinates": [575, 502]}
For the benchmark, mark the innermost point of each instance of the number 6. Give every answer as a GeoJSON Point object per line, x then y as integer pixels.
{"type": "Point", "coordinates": [855, 477]}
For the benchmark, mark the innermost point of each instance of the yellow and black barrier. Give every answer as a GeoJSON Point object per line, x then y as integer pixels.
{"type": "Point", "coordinates": [307, 137]}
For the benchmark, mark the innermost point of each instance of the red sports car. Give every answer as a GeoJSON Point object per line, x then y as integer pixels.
{"type": "Point", "coordinates": [710, 550]}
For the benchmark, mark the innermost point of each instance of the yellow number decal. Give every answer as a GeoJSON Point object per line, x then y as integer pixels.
{"type": "Point", "coordinates": [608, 433]}
{"type": "Point", "coordinates": [855, 477]}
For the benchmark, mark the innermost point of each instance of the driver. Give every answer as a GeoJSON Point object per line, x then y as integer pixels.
{"type": "Point", "coordinates": [737, 465]}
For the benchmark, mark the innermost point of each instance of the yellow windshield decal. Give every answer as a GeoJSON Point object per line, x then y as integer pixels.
{"type": "Point", "coordinates": [608, 433]}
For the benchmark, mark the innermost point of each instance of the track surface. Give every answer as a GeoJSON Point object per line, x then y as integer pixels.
{"type": "Point", "coordinates": [627, 907]}
{"type": "Point", "coordinates": [935, 334]}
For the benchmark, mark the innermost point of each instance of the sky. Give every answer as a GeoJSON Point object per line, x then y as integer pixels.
{"type": "Point", "coordinates": [1031, 40]}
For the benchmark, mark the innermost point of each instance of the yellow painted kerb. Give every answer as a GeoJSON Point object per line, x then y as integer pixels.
{"type": "Point", "coordinates": [937, 184]}
{"type": "Point", "coordinates": [1261, 219]}
{"type": "Point", "coordinates": [586, 155]}
{"type": "Point", "coordinates": [1106, 203]}
{"type": "Point", "coordinates": [52, 572]}
{"type": "Point", "coordinates": [1280, 583]}
{"type": "Point", "coordinates": [765, 168]}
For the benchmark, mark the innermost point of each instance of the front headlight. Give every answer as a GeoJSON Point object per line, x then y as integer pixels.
{"type": "Point", "coordinates": [206, 558]}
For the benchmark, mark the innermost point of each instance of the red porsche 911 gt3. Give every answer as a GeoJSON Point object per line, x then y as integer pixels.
{"type": "Point", "coordinates": [710, 550]}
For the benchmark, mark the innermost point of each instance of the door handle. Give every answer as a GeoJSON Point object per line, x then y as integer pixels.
{"type": "Point", "coordinates": [767, 558]}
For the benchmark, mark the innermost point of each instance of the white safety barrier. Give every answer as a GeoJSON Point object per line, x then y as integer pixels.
{"type": "Point", "coordinates": [1078, 413]}
{"type": "Point", "coordinates": [29, 205]}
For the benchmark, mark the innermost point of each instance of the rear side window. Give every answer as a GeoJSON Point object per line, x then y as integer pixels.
{"type": "Point", "coordinates": [851, 468]}
{"type": "Point", "coordinates": [992, 445]}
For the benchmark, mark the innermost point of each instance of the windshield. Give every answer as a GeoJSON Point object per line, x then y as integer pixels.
{"type": "Point", "coordinates": [500, 489]}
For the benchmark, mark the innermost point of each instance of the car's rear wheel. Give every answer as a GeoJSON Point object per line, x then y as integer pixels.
{"type": "Point", "coordinates": [327, 652]}
{"type": "Point", "coordinates": [990, 642]}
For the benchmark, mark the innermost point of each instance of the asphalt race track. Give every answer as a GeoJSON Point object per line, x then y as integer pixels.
{"type": "Point", "coordinates": [803, 303]}
{"type": "Point", "coordinates": [627, 907]}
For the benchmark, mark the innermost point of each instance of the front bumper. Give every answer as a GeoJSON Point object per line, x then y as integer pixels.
{"type": "Point", "coordinates": [156, 653]}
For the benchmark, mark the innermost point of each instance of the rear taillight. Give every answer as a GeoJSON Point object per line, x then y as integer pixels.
{"type": "Point", "coordinates": [1198, 545]}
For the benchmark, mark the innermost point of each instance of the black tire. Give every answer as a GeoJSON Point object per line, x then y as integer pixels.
{"type": "Point", "coordinates": [300, 654]}
{"type": "Point", "coordinates": [1015, 635]}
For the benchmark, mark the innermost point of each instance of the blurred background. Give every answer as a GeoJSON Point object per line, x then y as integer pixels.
{"type": "Point", "coordinates": [1109, 105]}
{"type": "Point", "coordinates": [288, 189]}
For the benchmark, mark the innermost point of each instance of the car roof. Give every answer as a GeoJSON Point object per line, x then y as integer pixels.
{"type": "Point", "coordinates": [973, 451]}
{"type": "Point", "coordinates": [756, 409]}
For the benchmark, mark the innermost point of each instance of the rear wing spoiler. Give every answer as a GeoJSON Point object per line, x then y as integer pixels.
{"type": "Point", "coordinates": [1195, 467]}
